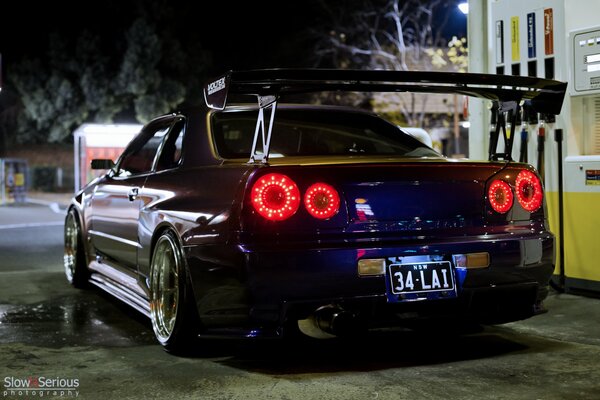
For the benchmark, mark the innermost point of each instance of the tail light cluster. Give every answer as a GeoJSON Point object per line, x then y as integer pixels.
{"type": "Point", "coordinates": [500, 196]}
{"type": "Point", "coordinates": [528, 190]}
{"type": "Point", "coordinates": [276, 197]}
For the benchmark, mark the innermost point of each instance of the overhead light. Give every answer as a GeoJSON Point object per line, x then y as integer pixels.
{"type": "Point", "coordinates": [464, 7]}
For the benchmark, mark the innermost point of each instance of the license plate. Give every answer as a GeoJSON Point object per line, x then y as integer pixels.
{"type": "Point", "coordinates": [422, 277]}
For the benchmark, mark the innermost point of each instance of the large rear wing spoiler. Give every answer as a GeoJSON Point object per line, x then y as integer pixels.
{"type": "Point", "coordinates": [546, 95]}
{"type": "Point", "coordinates": [508, 93]}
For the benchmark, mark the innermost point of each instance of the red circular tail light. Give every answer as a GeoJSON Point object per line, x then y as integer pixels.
{"type": "Point", "coordinates": [529, 190]}
{"type": "Point", "coordinates": [322, 201]}
{"type": "Point", "coordinates": [276, 197]}
{"type": "Point", "coordinates": [500, 196]}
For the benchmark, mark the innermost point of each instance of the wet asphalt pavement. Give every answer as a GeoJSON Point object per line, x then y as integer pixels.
{"type": "Point", "coordinates": [97, 348]}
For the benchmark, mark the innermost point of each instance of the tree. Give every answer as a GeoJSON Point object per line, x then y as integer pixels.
{"type": "Point", "coordinates": [140, 78]}
{"type": "Point", "coordinates": [387, 34]}
{"type": "Point", "coordinates": [144, 73]}
{"type": "Point", "coordinates": [95, 77]}
{"type": "Point", "coordinates": [52, 102]}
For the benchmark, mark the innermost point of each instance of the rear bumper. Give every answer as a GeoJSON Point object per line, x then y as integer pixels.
{"type": "Point", "coordinates": [276, 284]}
{"type": "Point", "coordinates": [489, 305]}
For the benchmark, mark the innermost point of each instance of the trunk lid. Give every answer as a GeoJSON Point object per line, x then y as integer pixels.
{"type": "Point", "coordinates": [414, 195]}
{"type": "Point", "coordinates": [418, 196]}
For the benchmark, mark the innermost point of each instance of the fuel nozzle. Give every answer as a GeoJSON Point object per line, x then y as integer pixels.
{"type": "Point", "coordinates": [541, 137]}
{"type": "Point", "coordinates": [522, 120]}
{"type": "Point", "coordinates": [532, 116]}
{"type": "Point", "coordinates": [548, 118]}
{"type": "Point", "coordinates": [493, 134]}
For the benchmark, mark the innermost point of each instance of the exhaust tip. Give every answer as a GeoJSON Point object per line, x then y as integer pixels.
{"type": "Point", "coordinates": [328, 322]}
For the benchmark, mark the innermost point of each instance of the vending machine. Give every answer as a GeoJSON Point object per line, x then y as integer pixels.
{"type": "Point", "coordinates": [105, 141]}
{"type": "Point", "coordinates": [13, 180]}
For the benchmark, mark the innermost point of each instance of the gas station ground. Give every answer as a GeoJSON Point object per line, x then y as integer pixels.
{"type": "Point", "coordinates": [48, 329]}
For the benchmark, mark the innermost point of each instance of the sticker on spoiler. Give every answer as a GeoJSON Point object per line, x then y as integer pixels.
{"type": "Point", "coordinates": [215, 92]}
{"type": "Point", "coordinates": [216, 86]}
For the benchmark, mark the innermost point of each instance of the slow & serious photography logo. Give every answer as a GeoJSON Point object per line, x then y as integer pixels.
{"type": "Point", "coordinates": [32, 387]}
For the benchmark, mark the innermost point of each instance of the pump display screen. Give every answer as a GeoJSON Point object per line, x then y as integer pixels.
{"type": "Point", "coordinates": [586, 62]}
{"type": "Point", "coordinates": [592, 62]}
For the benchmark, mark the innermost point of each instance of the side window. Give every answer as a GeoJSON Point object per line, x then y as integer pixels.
{"type": "Point", "coordinates": [141, 157]}
{"type": "Point", "coordinates": [170, 154]}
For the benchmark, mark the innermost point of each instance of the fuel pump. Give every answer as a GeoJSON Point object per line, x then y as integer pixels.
{"type": "Point", "coordinates": [554, 39]}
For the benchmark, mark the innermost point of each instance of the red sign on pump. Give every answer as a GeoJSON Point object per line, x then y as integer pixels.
{"type": "Point", "coordinates": [548, 32]}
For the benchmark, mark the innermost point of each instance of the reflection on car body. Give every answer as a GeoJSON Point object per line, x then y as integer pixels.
{"type": "Point", "coordinates": [262, 220]}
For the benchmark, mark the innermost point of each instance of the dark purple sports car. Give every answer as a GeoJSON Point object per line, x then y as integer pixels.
{"type": "Point", "coordinates": [264, 219]}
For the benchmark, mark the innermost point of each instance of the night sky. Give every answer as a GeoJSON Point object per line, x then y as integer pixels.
{"type": "Point", "coordinates": [198, 40]}
{"type": "Point", "coordinates": [238, 34]}
{"type": "Point", "coordinates": [245, 34]}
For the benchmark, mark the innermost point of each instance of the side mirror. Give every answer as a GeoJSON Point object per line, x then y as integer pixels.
{"type": "Point", "coordinates": [101, 163]}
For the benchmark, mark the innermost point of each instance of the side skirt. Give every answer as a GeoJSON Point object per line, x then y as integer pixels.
{"type": "Point", "coordinates": [122, 293]}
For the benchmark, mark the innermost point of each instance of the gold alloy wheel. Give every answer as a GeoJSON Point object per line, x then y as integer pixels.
{"type": "Point", "coordinates": [70, 252]}
{"type": "Point", "coordinates": [164, 287]}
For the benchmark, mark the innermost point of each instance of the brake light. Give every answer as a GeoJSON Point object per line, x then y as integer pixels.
{"type": "Point", "coordinates": [276, 197]}
{"type": "Point", "coordinates": [529, 190]}
{"type": "Point", "coordinates": [322, 201]}
{"type": "Point", "coordinates": [500, 196]}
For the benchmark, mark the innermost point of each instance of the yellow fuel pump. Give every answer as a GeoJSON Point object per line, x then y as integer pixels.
{"type": "Point", "coordinates": [555, 39]}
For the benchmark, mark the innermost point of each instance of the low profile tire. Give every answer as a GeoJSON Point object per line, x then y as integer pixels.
{"type": "Point", "coordinates": [172, 307]}
{"type": "Point", "coordinates": [74, 256]}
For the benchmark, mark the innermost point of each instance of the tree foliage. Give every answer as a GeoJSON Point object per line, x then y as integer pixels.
{"type": "Point", "coordinates": [145, 73]}
{"type": "Point", "coordinates": [389, 34]}
{"type": "Point", "coordinates": [454, 57]}
{"type": "Point", "coordinates": [140, 75]}
{"type": "Point", "coordinates": [51, 101]}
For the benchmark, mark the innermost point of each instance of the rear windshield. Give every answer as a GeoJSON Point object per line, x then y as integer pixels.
{"type": "Point", "coordinates": [315, 133]}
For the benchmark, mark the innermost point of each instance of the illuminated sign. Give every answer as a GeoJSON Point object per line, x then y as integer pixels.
{"type": "Point", "coordinates": [548, 32]}
{"type": "Point", "coordinates": [531, 35]}
{"type": "Point", "coordinates": [514, 38]}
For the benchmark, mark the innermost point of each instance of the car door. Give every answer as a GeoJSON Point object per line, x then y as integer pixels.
{"type": "Point", "coordinates": [116, 200]}
{"type": "Point", "coordinates": [163, 184]}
